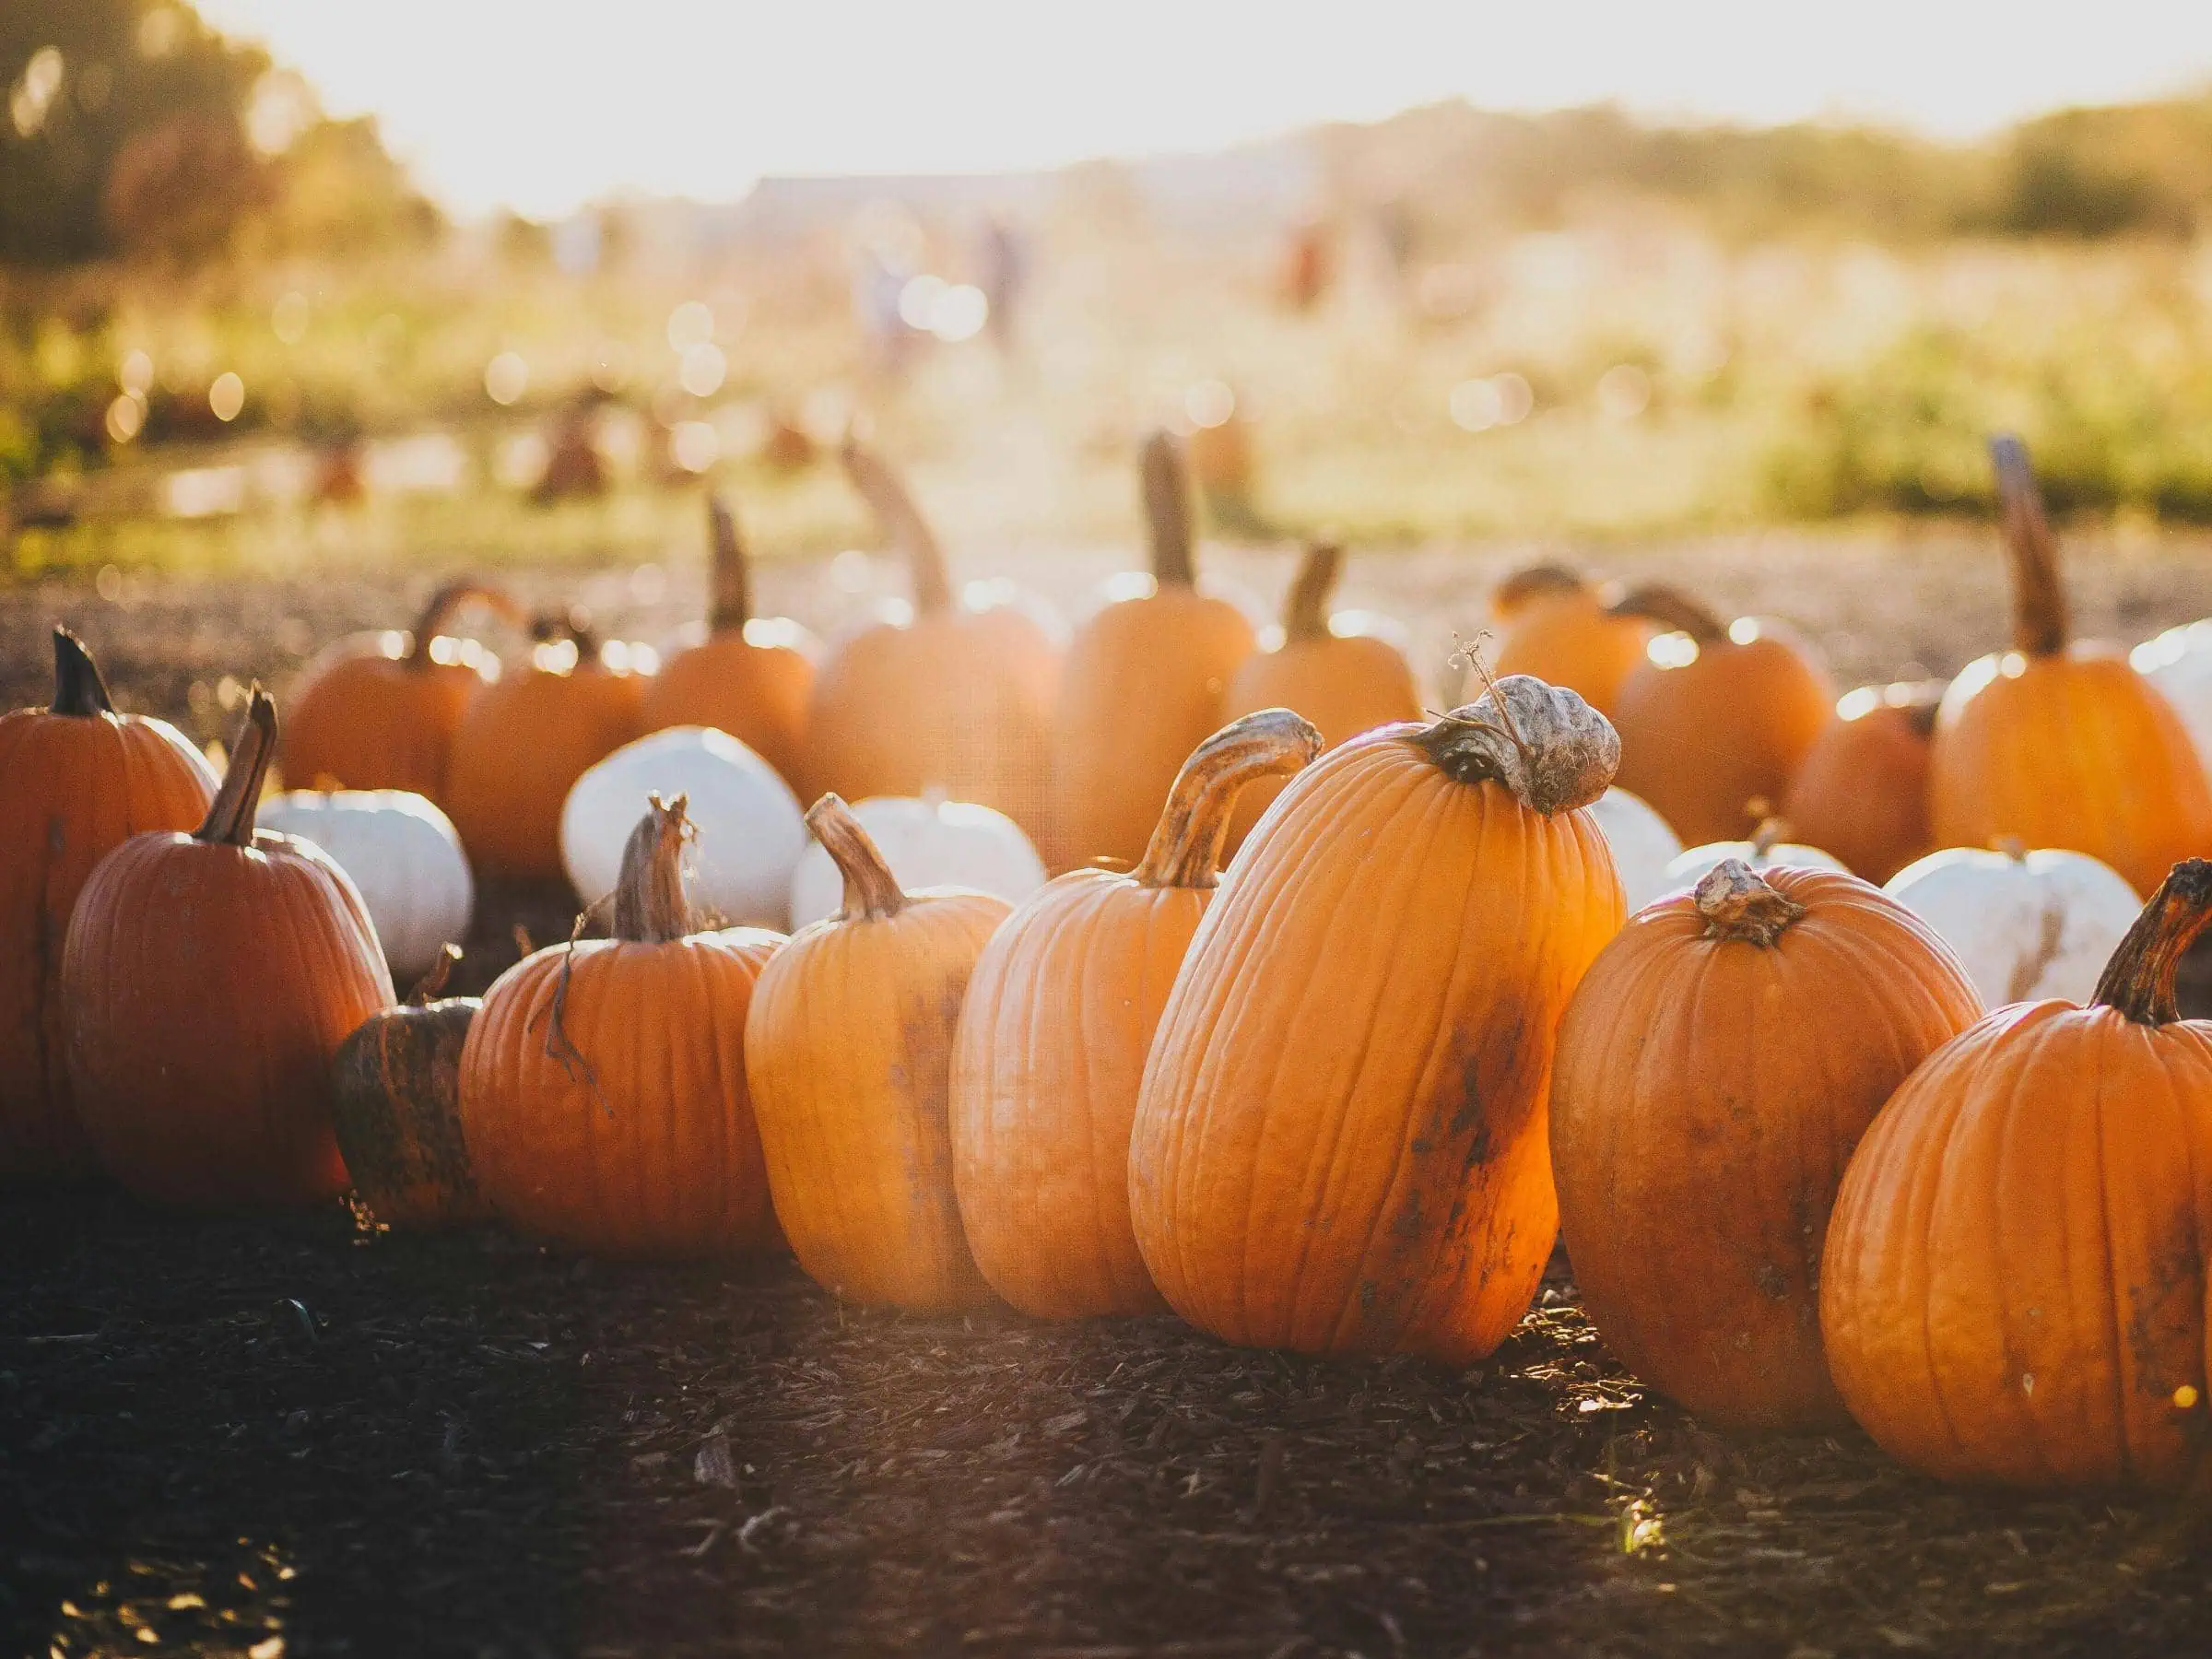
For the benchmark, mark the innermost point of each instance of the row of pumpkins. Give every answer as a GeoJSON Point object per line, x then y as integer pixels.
{"type": "Point", "coordinates": [1344, 1102]}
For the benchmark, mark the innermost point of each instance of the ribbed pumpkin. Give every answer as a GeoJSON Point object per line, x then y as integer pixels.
{"type": "Point", "coordinates": [525, 741]}
{"type": "Point", "coordinates": [604, 1100]}
{"type": "Point", "coordinates": [849, 1045]}
{"type": "Point", "coordinates": [750, 677]}
{"type": "Point", "coordinates": [1862, 791]}
{"type": "Point", "coordinates": [1555, 625]}
{"type": "Point", "coordinates": [1053, 1034]}
{"type": "Point", "coordinates": [1746, 1032]}
{"type": "Point", "coordinates": [395, 1103]}
{"type": "Point", "coordinates": [1144, 684]}
{"type": "Point", "coordinates": [208, 981]}
{"type": "Point", "coordinates": [2063, 745]}
{"type": "Point", "coordinates": [1340, 675]}
{"type": "Point", "coordinates": [1340, 1141]}
{"type": "Point", "coordinates": [1716, 715]}
{"type": "Point", "coordinates": [2013, 1290]}
{"type": "Point", "coordinates": [958, 701]}
{"type": "Point", "coordinates": [77, 781]}
{"type": "Point", "coordinates": [378, 711]}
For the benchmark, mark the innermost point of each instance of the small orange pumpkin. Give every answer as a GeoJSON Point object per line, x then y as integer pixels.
{"type": "Point", "coordinates": [395, 1103]}
{"type": "Point", "coordinates": [1553, 624]}
{"type": "Point", "coordinates": [1862, 791]}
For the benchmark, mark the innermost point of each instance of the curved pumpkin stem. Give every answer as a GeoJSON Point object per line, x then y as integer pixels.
{"type": "Point", "coordinates": [449, 601]}
{"type": "Point", "coordinates": [1536, 582]}
{"type": "Point", "coordinates": [571, 625]}
{"type": "Point", "coordinates": [1771, 830]}
{"type": "Point", "coordinates": [1737, 904]}
{"type": "Point", "coordinates": [1543, 741]}
{"type": "Point", "coordinates": [732, 606]}
{"type": "Point", "coordinates": [1166, 480]}
{"type": "Point", "coordinates": [2138, 980]}
{"type": "Point", "coordinates": [2039, 623]}
{"type": "Point", "coordinates": [893, 504]}
{"type": "Point", "coordinates": [230, 820]}
{"type": "Point", "coordinates": [871, 890]}
{"type": "Point", "coordinates": [1306, 611]}
{"type": "Point", "coordinates": [1671, 609]}
{"type": "Point", "coordinates": [650, 906]}
{"type": "Point", "coordinates": [1185, 848]}
{"type": "Point", "coordinates": [78, 688]}
{"type": "Point", "coordinates": [1921, 702]}
{"type": "Point", "coordinates": [441, 970]}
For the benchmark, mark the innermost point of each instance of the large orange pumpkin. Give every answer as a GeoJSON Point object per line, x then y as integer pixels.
{"type": "Point", "coordinates": [1862, 791]}
{"type": "Point", "coordinates": [1340, 1143]}
{"type": "Point", "coordinates": [849, 1046]}
{"type": "Point", "coordinates": [1716, 716]}
{"type": "Point", "coordinates": [1053, 1034]}
{"type": "Point", "coordinates": [2063, 745]}
{"type": "Point", "coordinates": [208, 981]}
{"type": "Point", "coordinates": [1748, 1032]}
{"type": "Point", "coordinates": [77, 781]}
{"type": "Point", "coordinates": [604, 1100]}
{"type": "Point", "coordinates": [750, 677]}
{"type": "Point", "coordinates": [1144, 684]}
{"type": "Point", "coordinates": [395, 1103]}
{"type": "Point", "coordinates": [2013, 1290]}
{"type": "Point", "coordinates": [1553, 624]}
{"type": "Point", "coordinates": [958, 701]}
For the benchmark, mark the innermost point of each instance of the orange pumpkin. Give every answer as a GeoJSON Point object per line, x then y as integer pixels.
{"type": "Point", "coordinates": [524, 741]}
{"type": "Point", "coordinates": [2013, 1290]}
{"type": "Point", "coordinates": [1144, 684]}
{"type": "Point", "coordinates": [395, 1103]}
{"type": "Point", "coordinates": [1345, 680]}
{"type": "Point", "coordinates": [378, 711]}
{"type": "Point", "coordinates": [1754, 1026]}
{"type": "Point", "coordinates": [849, 1046]}
{"type": "Point", "coordinates": [1716, 716]}
{"type": "Point", "coordinates": [2063, 745]}
{"type": "Point", "coordinates": [208, 981]}
{"type": "Point", "coordinates": [1557, 627]}
{"type": "Point", "coordinates": [1339, 1143]}
{"type": "Point", "coordinates": [79, 780]}
{"type": "Point", "coordinates": [1862, 791]}
{"type": "Point", "coordinates": [604, 1098]}
{"type": "Point", "coordinates": [1053, 1034]}
{"type": "Point", "coordinates": [750, 677]}
{"type": "Point", "coordinates": [957, 700]}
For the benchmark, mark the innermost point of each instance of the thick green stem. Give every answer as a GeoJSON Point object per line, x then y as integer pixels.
{"type": "Point", "coordinates": [1185, 848]}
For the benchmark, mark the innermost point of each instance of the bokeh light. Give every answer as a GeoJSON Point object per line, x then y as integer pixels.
{"type": "Point", "coordinates": [506, 378]}
{"type": "Point", "coordinates": [126, 418]}
{"type": "Point", "coordinates": [690, 324]}
{"type": "Point", "coordinates": [1209, 402]}
{"type": "Point", "coordinates": [288, 318]}
{"type": "Point", "coordinates": [959, 313]}
{"type": "Point", "coordinates": [694, 444]}
{"type": "Point", "coordinates": [227, 396]}
{"type": "Point", "coordinates": [1624, 392]}
{"type": "Point", "coordinates": [135, 373]}
{"type": "Point", "coordinates": [702, 369]}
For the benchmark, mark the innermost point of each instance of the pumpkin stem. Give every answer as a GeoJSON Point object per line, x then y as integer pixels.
{"type": "Point", "coordinates": [230, 819]}
{"type": "Point", "coordinates": [573, 624]}
{"type": "Point", "coordinates": [428, 987]}
{"type": "Point", "coordinates": [1545, 744]}
{"type": "Point", "coordinates": [2038, 600]}
{"type": "Point", "coordinates": [1771, 830]}
{"type": "Point", "coordinates": [732, 606]}
{"type": "Point", "coordinates": [1671, 609]}
{"type": "Point", "coordinates": [650, 906]}
{"type": "Point", "coordinates": [2012, 846]}
{"type": "Point", "coordinates": [909, 533]}
{"type": "Point", "coordinates": [1185, 848]}
{"type": "Point", "coordinates": [1166, 481]}
{"type": "Point", "coordinates": [1536, 582]}
{"type": "Point", "coordinates": [449, 601]}
{"type": "Point", "coordinates": [2138, 980]}
{"type": "Point", "coordinates": [1737, 904]}
{"type": "Point", "coordinates": [871, 890]}
{"type": "Point", "coordinates": [78, 688]}
{"type": "Point", "coordinates": [1306, 611]}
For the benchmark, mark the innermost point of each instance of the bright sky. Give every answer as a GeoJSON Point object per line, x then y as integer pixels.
{"type": "Point", "coordinates": [545, 104]}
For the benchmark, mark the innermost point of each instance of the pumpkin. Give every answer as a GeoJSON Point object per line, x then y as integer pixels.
{"type": "Point", "coordinates": [748, 675]}
{"type": "Point", "coordinates": [751, 833]}
{"type": "Point", "coordinates": [378, 711]}
{"type": "Point", "coordinates": [2013, 1290]}
{"type": "Point", "coordinates": [929, 842]}
{"type": "Point", "coordinates": [2027, 925]}
{"type": "Point", "coordinates": [1053, 1034]}
{"type": "Point", "coordinates": [404, 860]}
{"type": "Point", "coordinates": [1339, 1143]}
{"type": "Point", "coordinates": [604, 1100]}
{"type": "Point", "coordinates": [1553, 624]}
{"type": "Point", "coordinates": [1767, 849]}
{"type": "Point", "coordinates": [849, 1047]}
{"type": "Point", "coordinates": [524, 741]}
{"type": "Point", "coordinates": [1641, 844]}
{"type": "Point", "coordinates": [2179, 663]}
{"type": "Point", "coordinates": [1716, 715]}
{"type": "Point", "coordinates": [1862, 790]}
{"type": "Point", "coordinates": [81, 780]}
{"type": "Point", "coordinates": [1342, 672]}
{"type": "Point", "coordinates": [396, 1105]}
{"type": "Point", "coordinates": [953, 698]}
{"type": "Point", "coordinates": [208, 982]}
{"type": "Point", "coordinates": [1753, 1026]}
{"type": "Point", "coordinates": [1144, 684]}
{"type": "Point", "coordinates": [2063, 745]}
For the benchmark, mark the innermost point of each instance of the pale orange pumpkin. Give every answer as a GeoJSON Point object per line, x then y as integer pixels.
{"type": "Point", "coordinates": [1555, 625]}
{"type": "Point", "coordinates": [1862, 791]}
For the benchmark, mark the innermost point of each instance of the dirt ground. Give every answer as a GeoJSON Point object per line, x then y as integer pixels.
{"type": "Point", "coordinates": [221, 1436]}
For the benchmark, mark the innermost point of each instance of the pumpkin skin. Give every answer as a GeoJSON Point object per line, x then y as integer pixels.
{"type": "Point", "coordinates": [1559, 628]}
{"type": "Point", "coordinates": [604, 1100]}
{"type": "Point", "coordinates": [2026, 925]}
{"type": "Point", "coordinates": [403, 857]}
{"type": "Point", "coordinates": [1862, 792]}
{"type": "Point", "coordinates": [1339, 1143]}
{"type": "Point", "coordinates": [2059, 744]}
{"type": "Point", "coordinates": [1054, 1035]}
{"type": "Point", "coordinates": [396, 1104]}
{"type": "Point", "coordinates": [849, 1047]}
{"type": "Point", "coordinates": [2013, 1291]}
{"type": "Point", "coordinates": [1754, 1025]}
{"type": "Point", "coordinates": [1145, 681]}
{"type": "Point", "coordinates": [81, 780]}
{"type": "Point", "coordinates": [207, 983]}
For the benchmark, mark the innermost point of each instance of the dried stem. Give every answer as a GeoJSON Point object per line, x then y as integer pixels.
{"type": "Point", "coordinates": [1166, 480]}
{"type": "Point", "coordinates": [2138, 980]}
{"type": "Point", "coordinates": [731, 574]}
{"type": "Point", "coordinates": [78, 688]}
{"type": "Point", "coordinates": [1306, 611]}
{"type": "Point", "coordinates": [903, 526]}
{"type": "Point", "coordinates": [871, 890]}
{"type": "Point", "coordinates": [1673, 609]}
{"type": "Point", "coordinates": [2038, 600]}
{"type": "Point", "coordinates": [428, 987]}
{"type": "Point", "coordinates": [1536, 582]}
{"type": "Point", "coordinates": [449, 601]}
{"type": "Point", "coordinates": [230, 820]}
{"type": "Point", "coordinates": [650, 906]}
{"type": "Point", "coordinates": [1185, 848]}
{"type": "Point", "coordinates": [571, 624]}
{"type": "Point", "coordinates": [1542, 742]}
{"type": "Point", "coordinates": [1737, 904]}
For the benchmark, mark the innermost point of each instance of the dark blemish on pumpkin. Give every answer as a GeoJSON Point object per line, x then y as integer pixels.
{"type": "Point", "coordinates": [1772, 1281]}
{"type": "Point", "coordinates": [2165, 1311]}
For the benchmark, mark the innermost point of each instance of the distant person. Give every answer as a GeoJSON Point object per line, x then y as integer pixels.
{"type": "Point", "coordinates": [1005, 271]}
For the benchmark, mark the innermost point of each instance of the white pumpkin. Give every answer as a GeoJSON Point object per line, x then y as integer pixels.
{"type": "Point", "coordinates": [2179, 663]}
{"type": "Point", "coordinates": [928, 842]}
{"type": "Point", "coordinates": [1643, 843]}
{"type": "Point", "coordinates": [1759, 852]}
{"type": "Point", "coordinates": [750, 829]}
{"type": "Point", "coordinates": [404, 857]}
{"type": "Point", "coordinates": [2026, 925]}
